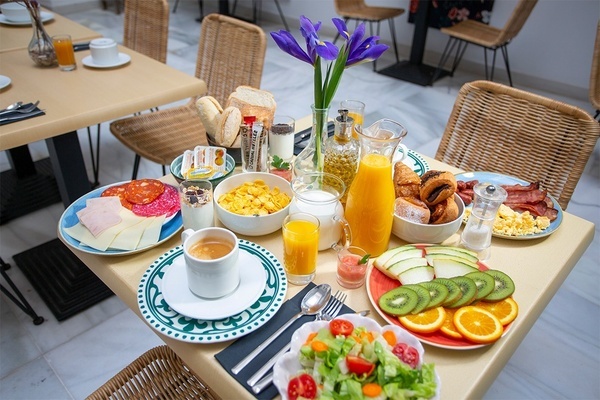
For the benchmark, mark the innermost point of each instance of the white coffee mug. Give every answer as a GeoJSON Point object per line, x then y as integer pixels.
{"type": "Point", "coordinates": [15, 12]}
{"type": "Point", "coordinates": [104, 51]}
{"type": "Point", "coordinates": [210, 277]}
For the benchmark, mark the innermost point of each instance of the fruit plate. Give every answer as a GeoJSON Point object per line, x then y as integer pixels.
{"type": "Point", "coordinates": [378, 284]}
{"type": "Point", "coordinates": [501, 179]}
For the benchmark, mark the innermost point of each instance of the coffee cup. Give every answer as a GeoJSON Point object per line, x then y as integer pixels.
{"type": "Point", "coordinates": [104, 51]}
{"type": "Point", "coordinates": [211, 258]}
{"type": "Point", "coordinates": [15, 12]}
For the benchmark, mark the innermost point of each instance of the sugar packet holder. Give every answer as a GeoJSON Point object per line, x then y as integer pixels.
{"type": "Point", "coordinates": [204, 162]}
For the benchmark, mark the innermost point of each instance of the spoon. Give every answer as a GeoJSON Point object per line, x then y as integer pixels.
{"type": "Point", "coordinates": [311, 304]}
{"type": "Point", "coordinates": [13, 106]}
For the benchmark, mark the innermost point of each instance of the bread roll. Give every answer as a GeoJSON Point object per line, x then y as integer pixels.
{"type": "Point", "coordinates": [412, 209]}
{"type": "Point", "coordinates": [407, 182]}
{"type": "Point", "coordinates": [253, 102]}
{"type": "Point", "coordinates": [229, 126]}
{"type": "Point", "coordinates": [437, 186]}
{"type": "Point", "coordinates": [444, 212]}
{"type": "Point", "coordinates": [209, 111]}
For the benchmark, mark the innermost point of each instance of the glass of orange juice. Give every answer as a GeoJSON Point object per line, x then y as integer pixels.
{"type": "Point", "coordinates": [63, 46]}
{"type": "Point", "coordinates": [300, 247]}
{"type": "Point", "coordinates": [356, 111]}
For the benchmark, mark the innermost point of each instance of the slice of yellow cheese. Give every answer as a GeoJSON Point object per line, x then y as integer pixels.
{"type": "Point", "coordinates": [152, 233]}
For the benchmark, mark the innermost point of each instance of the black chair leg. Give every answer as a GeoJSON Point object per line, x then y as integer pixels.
{"type": "Point", "coordinates": [21, 302]}
{"type": "Point", "coordinates": [505, 56]}
{"type": "Point", "coordinates": [175, 6]}
{"type": "Point", "coordinates": [287, 28]}
{"type": "Point", "coordinates": [136, 166]}
{"type": "Point", "coordinates": [95, 156]}
{"type": "Point", "coordinates": [393, 32]}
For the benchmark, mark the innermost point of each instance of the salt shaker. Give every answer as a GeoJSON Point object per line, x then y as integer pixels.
{"type": "Point", "coordinates": [477, 235]}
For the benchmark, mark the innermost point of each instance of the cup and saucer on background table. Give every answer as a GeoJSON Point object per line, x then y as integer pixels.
{"type": "Point", "coordinates": [105, 54]}
{"type": "Point", "coordinates": [17, 14]}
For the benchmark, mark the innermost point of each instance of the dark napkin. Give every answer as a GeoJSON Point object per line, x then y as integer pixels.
{"type": "Point", "coordinates": [234, 353]}
{"type": "Point", "coordinates": [14, 116]}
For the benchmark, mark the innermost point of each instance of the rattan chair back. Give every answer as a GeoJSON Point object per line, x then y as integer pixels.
{"type": "Point", "coordinates": [595, 75]}
{"type": "Point", "coordinates": [157, 374]}
{"type": "Point", "coordinates": [515, 23]}
{"type": "Point", "coordinates": [146, 27]}
{"type": "Point", "coordinates": [497, 128]}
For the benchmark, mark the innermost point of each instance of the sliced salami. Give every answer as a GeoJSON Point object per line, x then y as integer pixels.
{"type": "Point", "coordinates": [166, 203]}
{"type": "Point", "coordinates": [143, 191]}
{"type": "Point", "coordinates": [119, 191]}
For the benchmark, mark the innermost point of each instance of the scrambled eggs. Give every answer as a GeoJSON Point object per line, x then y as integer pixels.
{"type": "Point", "coordinates": [512, 223]}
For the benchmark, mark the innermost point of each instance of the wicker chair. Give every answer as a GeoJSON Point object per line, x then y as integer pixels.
{"type": "Point", "coordinates": [497, 128]}
{"type": "Point", "coordinates": [359, 11]}
{"type": "Point", "coordinates": [157, 374]}
{"type": "Point", "coordinates": [146, 30]}
{"type": "Point", "coordinates": [231, 53]}
{"type": "Point", "coordinates": [488, 37]}
{"type": "Point", "coordinates": [595, 75]}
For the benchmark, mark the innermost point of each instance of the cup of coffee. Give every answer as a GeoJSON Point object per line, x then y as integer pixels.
{"type": "Point", "coordinates": [211, 258]}
{"type": "Point", "coordinates": [15, 12]}
{"type": "Point", "coordinates": [104, 51]}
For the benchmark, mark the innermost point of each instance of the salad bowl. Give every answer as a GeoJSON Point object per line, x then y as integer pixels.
{"type": "Point", "coordinates": [288, 365]}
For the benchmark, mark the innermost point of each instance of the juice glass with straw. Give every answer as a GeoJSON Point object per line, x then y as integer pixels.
{"type": "Point", "coordinates": [300, 247]}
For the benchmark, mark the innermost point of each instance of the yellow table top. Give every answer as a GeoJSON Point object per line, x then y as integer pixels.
{"type": "Point", "coordinates": [538, 268]}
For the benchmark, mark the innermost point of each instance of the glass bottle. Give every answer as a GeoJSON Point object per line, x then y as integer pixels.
{"type": "Point", "coordinates": [310, 158]}
{"type": "Point", "coordinates": [370, 202]}
{"type": "Point", "coordinates": [341, 151]}
{"type": "Point", "coordinates": [40, 48]}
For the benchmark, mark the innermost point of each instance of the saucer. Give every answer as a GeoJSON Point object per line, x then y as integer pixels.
{"type": "Point", "coordinates": [88, 61]}
{"type": "Point", "coordinates": [46, 16]}
{"type": "Point", "coordinates": [181, 299]}
{"type": "Point", "coordinates": [4, 81]}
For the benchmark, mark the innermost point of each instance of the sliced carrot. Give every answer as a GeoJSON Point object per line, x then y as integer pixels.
{"type": "Point", "coordinates": [317, 345]}
{"type": "Point", "coordinates": [371, 390]}
{"type": "Point", "coordinates": [390, 337]}
{"type": "Point", "coordinates": [310, 338]}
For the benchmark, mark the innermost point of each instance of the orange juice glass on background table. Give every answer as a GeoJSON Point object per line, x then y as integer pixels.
{"type": "Point", "coordinates": [356, 111]}
{"type": "Point", "coordinates": [63, 46]}
{"type": "Point", "coordinates": [300, 247]}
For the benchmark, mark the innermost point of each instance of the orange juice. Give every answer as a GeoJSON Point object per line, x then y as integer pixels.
{"type": "Point", "coordinates": [300, 248]}
{"type": "Point", "coordinates": [358, 120]}
{"type": "Point", "coordinates": [370, 204]}
{"type": "Point", "coordinates": [63, 46]}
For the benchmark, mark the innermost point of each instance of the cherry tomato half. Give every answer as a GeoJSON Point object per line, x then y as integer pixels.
{"type": "Point", "coordinates": [302, 386]}
{"type": "Point", "coordinates": [407, 354]}
{"type": "Point", "coordinates": [341, 327]}
{"type": "Point", "coordinates": [359, 365]}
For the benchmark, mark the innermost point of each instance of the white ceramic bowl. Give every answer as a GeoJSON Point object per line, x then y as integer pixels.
{"type": "Point", "coordinates": [251, 225]}
{"type": "Point", "coordinates": [413, 232]}
{"type": "Point", "coordinates": [15, 12]}
{"type": "Point", "coordinates": [288, 365]}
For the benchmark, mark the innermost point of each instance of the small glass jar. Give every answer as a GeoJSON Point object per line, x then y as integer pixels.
{"type": "Point", "coordinates": [351, 267]}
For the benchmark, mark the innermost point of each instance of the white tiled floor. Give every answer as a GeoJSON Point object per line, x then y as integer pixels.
{"type": "Point", "coordinates": [559, 358]}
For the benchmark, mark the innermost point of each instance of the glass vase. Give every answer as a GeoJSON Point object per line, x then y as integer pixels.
{"type": "Point", "coordinates": [41, 50]}
{"type": "Point", "coordinates": [311, 158]}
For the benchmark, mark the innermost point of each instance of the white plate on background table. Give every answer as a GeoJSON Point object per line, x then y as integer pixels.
{"type": "Point", "coordinates": [170, 227]}
{"type": "Point", "coordinates": [413, 160]}
{"type": "Point", "coordinates": [46, 16]}
{"type": "Point", "coordinates": [181, 299]}
{"type": "Point", "coordinates": [88, 61]}
{"type": "Point", "coordinates": [4, 81]}
{"type": "Point", "coordinates": [169, 322]}
{"type": "Point", "coordinates": [500, 179]}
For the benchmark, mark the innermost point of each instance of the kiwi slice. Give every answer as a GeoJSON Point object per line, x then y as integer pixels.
{"type": "Point", "coordinates": [399, 301]}
{"type": "Point", "coordinates": [454, 292]}
{"type": "Point", "coordinates": [484, 282]}
{"type": "Point", "coordinates": [503, 286]}
{"type": "Point", "coordinates": [437, 291]}
{"type": "Point", "coordinates": [468, 289]}
{"type": "Point", "coordinates": [423, 297]}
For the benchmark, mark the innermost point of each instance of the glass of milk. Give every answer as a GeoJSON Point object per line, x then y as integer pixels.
{"type": "Point", "coordinates": [281, 137]}
{"type": "Point", "coordinates": [196, 199]}
{"type": "Point", "coordinates": [319, 194]}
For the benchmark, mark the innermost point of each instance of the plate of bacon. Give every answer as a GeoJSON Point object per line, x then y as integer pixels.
{"type": "Point", "coordinates": [532, 212]}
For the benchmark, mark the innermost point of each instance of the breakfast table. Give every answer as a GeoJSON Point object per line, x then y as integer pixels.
{"type": "Point", "coordinates": [538, 268]}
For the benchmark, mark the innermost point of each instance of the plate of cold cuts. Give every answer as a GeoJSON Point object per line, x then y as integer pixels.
{"type": "Point", "coordinates": [528, 212]}
{"type": "Point", "coordinates": [122, 218]}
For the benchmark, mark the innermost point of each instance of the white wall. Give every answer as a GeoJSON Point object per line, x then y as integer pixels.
{"type": "Point", "coordinates": [552, 52]}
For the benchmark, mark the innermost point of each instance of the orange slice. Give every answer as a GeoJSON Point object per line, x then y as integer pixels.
{"type": "Point", "coordinates": [448, 327]}
{"type": "Point", "coordinates": [426, 321]}
{"type": "Point", "coordinates": [478, 325]}
{"type": "Point", "coordinates": [505, 310]}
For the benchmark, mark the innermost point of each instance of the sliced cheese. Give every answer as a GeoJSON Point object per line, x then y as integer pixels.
{"type": "Point", "coordinates": [129, 238]}
{"type": "Point", "coordinates": [152, 233]}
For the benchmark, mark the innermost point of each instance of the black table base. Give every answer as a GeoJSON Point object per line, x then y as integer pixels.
{"type": "Point", "coordinates": [420, 74]}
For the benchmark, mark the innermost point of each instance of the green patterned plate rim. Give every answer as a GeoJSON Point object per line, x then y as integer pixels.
{"type": "Point", "coordinates": [413, 160]}
{"type": "Point", "coordinates": [164, 320]}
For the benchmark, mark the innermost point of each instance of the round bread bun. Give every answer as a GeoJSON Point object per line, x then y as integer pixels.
{"type": "Point", "coordinates": [412, 209]}
{"type": "Point", "coordinates": [229, 126]}
{"type": "Point", "coordinates": [437, 186]}
{"type": "Point", "coordinates": [209, 111]}
{"type": "Point", "coordinates": [444, 212]}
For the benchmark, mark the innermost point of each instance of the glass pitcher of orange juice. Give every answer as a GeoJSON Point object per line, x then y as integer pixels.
{"type": "Point", "coordinates": [370, 203]}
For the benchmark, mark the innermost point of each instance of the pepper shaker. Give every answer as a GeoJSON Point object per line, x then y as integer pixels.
{"type": "Point", "coordinates": [477, 235]}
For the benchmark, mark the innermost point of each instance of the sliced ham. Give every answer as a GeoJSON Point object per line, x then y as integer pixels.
{"type": "Point", "coordinates": [100, 214]}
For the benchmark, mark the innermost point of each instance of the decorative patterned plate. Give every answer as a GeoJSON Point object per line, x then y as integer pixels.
{"type": "Point", "coordinates": [69, 218]}
{"type": "Point", "coordinates": [413, 160]}
{"type": "Point", "coordinates": [170, 323]}
{"type": "Point", "coordinates": [493, 177]}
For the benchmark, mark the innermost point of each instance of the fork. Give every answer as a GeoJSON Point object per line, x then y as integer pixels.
{"type": "Point", "coordinates": [329, 312]}
{"type": "Point", "coordinates": [22, 110]}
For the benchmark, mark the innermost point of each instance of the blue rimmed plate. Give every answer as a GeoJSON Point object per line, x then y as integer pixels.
{"type": "Point", "coordinates": [500, 179]}
{"type": "Point", "coordinates": [413, 160]}
{"type": "Point", "coordinates": [163, 319]}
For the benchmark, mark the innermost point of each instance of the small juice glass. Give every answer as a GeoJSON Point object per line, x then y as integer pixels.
{"type": "Point", "coordinates": [350, 271]}
{"type": "Point", "coordinates": [63, 46]}
{"type": "Point", "coordinates": [300, 247]}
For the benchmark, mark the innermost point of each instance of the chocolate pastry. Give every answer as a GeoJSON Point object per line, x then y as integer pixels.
{"type": "Point", "coordinates": [444, 212]}
{"type": "Point", "coordinates": [437, 186]}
